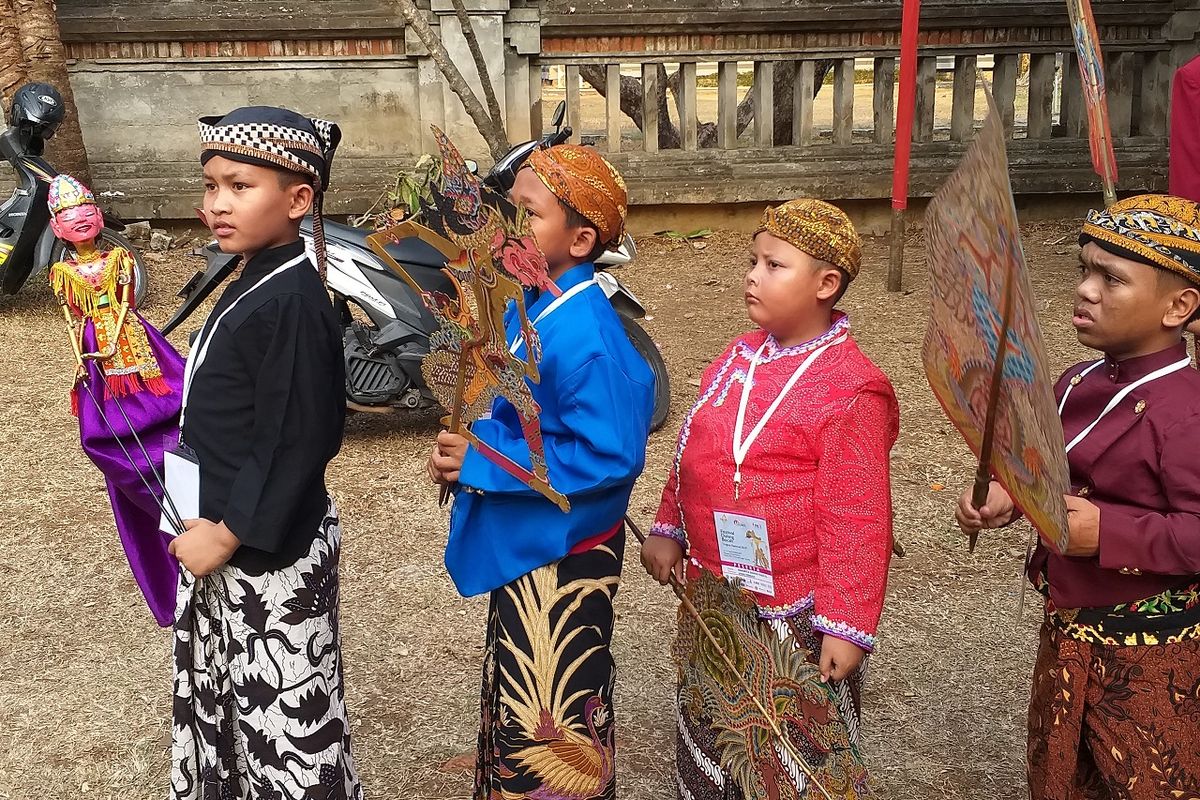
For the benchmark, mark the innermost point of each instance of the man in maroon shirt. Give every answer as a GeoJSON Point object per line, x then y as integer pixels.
{"type": "Point", "coordinates": [1185, 132]}
{"type": "Point", "coordinates": [1115, 707]}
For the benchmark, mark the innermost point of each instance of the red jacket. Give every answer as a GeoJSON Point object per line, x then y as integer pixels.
{"type": "Point", "coordinates": [1185, 132]}
{"type": "Point", "coordinates": [818, 474]}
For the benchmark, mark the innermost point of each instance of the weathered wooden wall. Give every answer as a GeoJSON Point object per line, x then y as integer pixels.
{"type": "Point", "coordinates": [144, 69]}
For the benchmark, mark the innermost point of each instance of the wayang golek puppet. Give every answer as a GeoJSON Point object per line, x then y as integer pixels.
{"type": "Point", "coordinates": [126, 388]}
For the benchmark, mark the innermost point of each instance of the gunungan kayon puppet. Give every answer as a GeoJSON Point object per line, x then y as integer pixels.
{"type": "Point", "coordinates": [127, 386]}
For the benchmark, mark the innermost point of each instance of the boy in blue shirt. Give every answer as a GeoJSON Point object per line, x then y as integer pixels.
{"type": "Point", "coordinates": [547, 721]}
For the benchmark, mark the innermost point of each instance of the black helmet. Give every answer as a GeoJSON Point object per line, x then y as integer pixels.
{"type": "Point", "coordinates": [38, 109]}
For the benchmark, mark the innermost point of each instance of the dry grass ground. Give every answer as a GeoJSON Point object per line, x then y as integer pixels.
{"type": "Point", "coordinates": [84, 673]}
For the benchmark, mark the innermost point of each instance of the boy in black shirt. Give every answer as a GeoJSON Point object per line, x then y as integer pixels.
{"type": "Point", "coordinates": [259, 707]}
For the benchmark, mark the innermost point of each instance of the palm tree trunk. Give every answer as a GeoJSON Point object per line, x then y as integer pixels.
{"type": "Point", "coordinates": [12, 58]}
{"type": "Point", "coordinates": [46, 60]}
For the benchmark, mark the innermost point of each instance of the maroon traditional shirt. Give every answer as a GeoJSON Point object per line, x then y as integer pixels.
{"type": "Point", "coordinates": [1140, 465]}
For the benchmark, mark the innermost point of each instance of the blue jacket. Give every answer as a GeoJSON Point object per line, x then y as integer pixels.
{"type": "Point", "coordinates": [597, 398]}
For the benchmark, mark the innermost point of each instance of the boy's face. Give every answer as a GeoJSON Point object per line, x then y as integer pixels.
{"type": "Point", "coordinates": [1125, 308]}
{"type": "Point", "coordinates": [786, 288]}
{"type": "Point", "coordinates": [564, 246]}
{"type": "Point", "coordinates": [250, 208]}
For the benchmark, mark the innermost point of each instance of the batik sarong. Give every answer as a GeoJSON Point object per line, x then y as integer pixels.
{"type": "Point", "coordinates": [1116, 721]}
{"type": "Point", "coordinates": [547, 718]}
{"type": "Point", "coordinates": [700, 772]}
{"type": "Point", "coordinates": [259, 705]}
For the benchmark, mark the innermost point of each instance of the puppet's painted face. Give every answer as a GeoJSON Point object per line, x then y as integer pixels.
{"type": "Point", "coordinates": [81, 223]}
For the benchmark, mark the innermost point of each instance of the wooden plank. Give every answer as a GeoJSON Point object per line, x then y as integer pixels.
{"type": "Point", "coordinates": [843, 101]}
{"type": "Point", "coordinates": [926, 99]}
{"type": "Point", "coordinates": [727, 101]}
{"type": "Point", "coordinates": [1004, 88]}
{"type": "Point", "coordinates": [1042, 67]}
{"type": "Point", "coordinates": [884, 100]}
{"type": "Point", "coordinates": [962, 108]}
{"type": "Point", "coordinates": [689, 119]}
{"type": "Point", "coordinates": [1073, 121]}
{"type": "Point", "coordinates": [612, 106]}
{"type": "Point", "coordinates": [574, 116]}
{"type": "Point", "coordinates": [764, 103]}
{"type": "Point", "coordinates": [1119, 88]}
{"type": "Point", "coordinates": [802, 103]}
{"type": "Point", "coordinates": [1156, 94]}
{"type": "Point", "coordinates": [650, 108]}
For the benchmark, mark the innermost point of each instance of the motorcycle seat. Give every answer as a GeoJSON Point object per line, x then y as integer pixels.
{"type": "Point", "coordinates": [408, 252]}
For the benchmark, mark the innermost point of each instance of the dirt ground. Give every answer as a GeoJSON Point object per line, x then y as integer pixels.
{"type": "Point", "coordinates": [84, 672]}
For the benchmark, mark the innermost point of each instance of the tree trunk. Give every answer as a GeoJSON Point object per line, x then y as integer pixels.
{"type": "Point", "coordinates": [631, 101]}
{"type": "Point", "coordinates": [485, 77]}
{"type": "Point", "coordinates": [12, 59]}
{"type": "Point", "coordinates": [46, 60]}
{"type": "Point", "coordinates": [785, 74]}
{"type": "Point", "coordinates": [492, 133]}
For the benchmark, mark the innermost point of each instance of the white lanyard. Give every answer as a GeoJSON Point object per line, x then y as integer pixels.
{"type": "Point", "coordinates": [519, 342]}
{"type": "Point", "coordinates": [200, 351]}
{"type": "Point", "coordinates": [1119, 396]}
{"type": "Point", "coordinates": [742, 446]}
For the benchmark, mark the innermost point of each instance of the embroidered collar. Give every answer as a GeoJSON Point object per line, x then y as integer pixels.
{"type": "Point", "coordinates": [773, 351]}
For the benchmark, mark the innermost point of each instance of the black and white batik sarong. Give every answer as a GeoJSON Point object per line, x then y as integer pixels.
{"type": "Point", "coordinates": [259, 705]}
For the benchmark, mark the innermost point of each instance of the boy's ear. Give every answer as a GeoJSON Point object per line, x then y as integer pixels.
{"type": "Point", "coordinates": [300, 197]}
{"type": "Point", "coordinates": [1184, 304]}
{"type": "Point", "coordinates": [584, 241]}
{"type": "Point", "coordinates": [830, 283]}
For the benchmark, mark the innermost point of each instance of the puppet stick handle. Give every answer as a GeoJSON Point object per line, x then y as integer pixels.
{"type": "Point", "coordinates": [456, 413]}
{"type": "Point", "coordinates": [733, 671]}
{"type": "Point", "coordinates": [983, 475]}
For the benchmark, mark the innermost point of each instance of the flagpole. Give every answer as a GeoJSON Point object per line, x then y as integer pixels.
{"type": "Point", "coordinates": [904, 125]}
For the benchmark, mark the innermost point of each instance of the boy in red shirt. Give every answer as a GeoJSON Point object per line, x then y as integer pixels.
{"type": "Point", "coordinates": [781, 475]}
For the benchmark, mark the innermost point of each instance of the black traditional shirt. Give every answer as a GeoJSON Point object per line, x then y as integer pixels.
{"type": "Point", "coordinates": [266, 410]}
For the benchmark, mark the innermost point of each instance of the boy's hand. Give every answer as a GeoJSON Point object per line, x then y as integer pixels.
{"type": "Point", "coordinates": [662, 555]}
{"type": "Point", "coordinates": [838, 658]}
{"type": "Point", "coordinates": [1083, 520]}
{"type": "Point", "coordinates": [204, 547]}
{"type": "Point", "coordinates": [997, 512]}
{"type": "Point", "coordinates": [446, 460]}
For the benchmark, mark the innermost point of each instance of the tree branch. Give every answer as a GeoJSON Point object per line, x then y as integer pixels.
{"type": "Point", "coordinates": [631, 101]}
{"type": "Point", "coordinates": [485, 77]}
{"type": "Point", "coordinates": [492, 134]}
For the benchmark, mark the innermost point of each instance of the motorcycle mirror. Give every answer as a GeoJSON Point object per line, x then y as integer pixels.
{"type": "Point", "coordinates": [560, 113]}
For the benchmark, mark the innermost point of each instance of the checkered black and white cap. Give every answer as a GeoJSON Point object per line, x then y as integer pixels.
{"type": "Point", "coordinates": [275, 137]}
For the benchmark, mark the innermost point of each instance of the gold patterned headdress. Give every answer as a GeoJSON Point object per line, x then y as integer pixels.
{"type": "Point", "coordinates": [817, 228]}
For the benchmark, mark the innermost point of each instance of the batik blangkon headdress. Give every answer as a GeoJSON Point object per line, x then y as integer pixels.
{"type": "Point", "coordinates": [1155, 229]}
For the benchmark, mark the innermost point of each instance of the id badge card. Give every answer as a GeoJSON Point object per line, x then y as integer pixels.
{"type": "Point", "coordinates": [744, 544]}
{"type": "Point", "coordinates": [181, 470]}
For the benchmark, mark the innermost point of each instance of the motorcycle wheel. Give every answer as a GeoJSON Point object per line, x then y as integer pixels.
{"type": "Point", "coordinates": [111, 239]}
{"type": "Point", "coordinates": [662, 382]}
